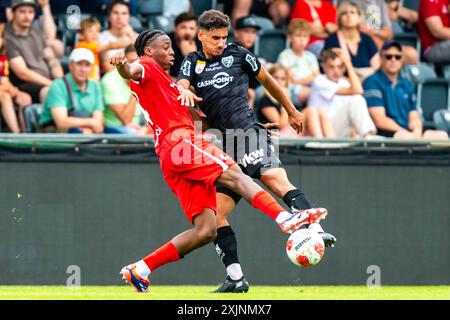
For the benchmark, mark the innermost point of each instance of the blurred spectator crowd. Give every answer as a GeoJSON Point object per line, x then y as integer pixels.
{"type": "Point", "coordinates": [359, 68]}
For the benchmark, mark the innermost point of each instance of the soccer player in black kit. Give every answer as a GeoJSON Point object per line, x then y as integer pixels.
{"type": "Point", "coordinates": [220, 73]}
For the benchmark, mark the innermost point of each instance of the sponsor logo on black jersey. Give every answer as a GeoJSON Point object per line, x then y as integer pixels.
{"type": "Point", "coordinates": [186, 68]}
{"type": "Point", "coordinates": [200, 66]}
{"type": "Point", "coordinates": [227, 61]}
{"type": "Point", "coordinates": [252, 61]}
{"type": "Point", "coordinates": [219, 81]}
{"type": "Point", "coordinates": [213, 67]}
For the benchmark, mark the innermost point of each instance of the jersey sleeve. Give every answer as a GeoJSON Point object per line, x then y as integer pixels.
{"type": "Point", "coordinates": [373, 93]}
{"type": "Point", "coordinates": [250, 64]}
{"type": "Point", "coordinates": [147, 67]}
{"type": "Point", "coordinates": [187, 68]}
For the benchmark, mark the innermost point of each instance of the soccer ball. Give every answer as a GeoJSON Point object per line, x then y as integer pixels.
{"type": "Point", "coordinates": [305, 248]}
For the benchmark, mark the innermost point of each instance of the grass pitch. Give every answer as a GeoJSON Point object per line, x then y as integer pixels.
{"type": "Point", "coordinates": [202, 293]}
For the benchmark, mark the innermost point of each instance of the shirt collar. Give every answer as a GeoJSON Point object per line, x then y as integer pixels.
{"type": "Point", "coordinates": [73, 84]}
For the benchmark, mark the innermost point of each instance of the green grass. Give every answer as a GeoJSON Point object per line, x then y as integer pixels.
{"type": "Point", "coordinates": [202, 293]}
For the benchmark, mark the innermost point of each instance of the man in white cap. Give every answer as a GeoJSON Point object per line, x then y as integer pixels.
{"type": "Point", "coordinates": [74, 103]}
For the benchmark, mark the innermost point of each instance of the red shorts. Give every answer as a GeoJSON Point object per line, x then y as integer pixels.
{"type": "Point", "coordinates": [191, 168]}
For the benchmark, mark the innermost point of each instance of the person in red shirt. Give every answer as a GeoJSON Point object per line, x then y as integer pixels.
{"type": "Point", "coordinates": [434, 30]}
{"type": "Point", "coordinates": [322, 16]}
{"type": "Point", "coordinates": [191, 165]}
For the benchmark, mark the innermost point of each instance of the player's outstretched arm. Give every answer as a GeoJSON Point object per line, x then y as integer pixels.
{"type": "Point", "coordinates": [268, 82]}
{"type": "Point", "coordinates": [126, 70]}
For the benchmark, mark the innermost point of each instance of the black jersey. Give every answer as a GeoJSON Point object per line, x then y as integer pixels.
{"type": "Point", "coordinates": [223, 83]}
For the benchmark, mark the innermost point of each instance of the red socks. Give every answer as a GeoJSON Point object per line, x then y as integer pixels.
{"type": "Point", "coordinates": [267, 204]}
{"type": "Point", "coordinates": [165, 254]}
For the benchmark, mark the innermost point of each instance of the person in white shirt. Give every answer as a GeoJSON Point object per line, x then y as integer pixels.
{"type": "Point", "coordinates": [341, 99]}
{"type": "Point", "coordinates": [119, 35]}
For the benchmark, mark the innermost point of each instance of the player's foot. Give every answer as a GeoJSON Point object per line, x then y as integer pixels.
{"type": "Point", "coordinates": [130, 276]}
{"type": "Point", "coordinates": [328, 239]}
{"type": "Point", "coordinates": [300, 218]}
{"type": "Point", "coordinates": [233, 286]}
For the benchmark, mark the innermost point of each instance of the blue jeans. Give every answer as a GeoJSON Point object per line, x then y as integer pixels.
{"type": "Point", "coordinates": [119, 130]}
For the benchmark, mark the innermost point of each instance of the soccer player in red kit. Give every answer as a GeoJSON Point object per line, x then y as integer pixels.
{"type": "Point", "coordinates": [191, 165]}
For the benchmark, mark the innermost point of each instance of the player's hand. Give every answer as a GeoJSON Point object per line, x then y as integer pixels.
{"type": "Point", "coordinates": [296, 121]}
{"type": "Point", "coordinates": [118, 59]}
{"type": "Point", "coordinates": [188, 98]}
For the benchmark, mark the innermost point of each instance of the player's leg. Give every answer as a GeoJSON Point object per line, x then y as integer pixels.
{"type": "Point", "coordinates": [234, 179]}
{"type": "Point", "coordinates": [202, 232]}
{"type": "Point", "coordinates": [277, 181]}
{"type": "Point", "coordinates": [226, 243]}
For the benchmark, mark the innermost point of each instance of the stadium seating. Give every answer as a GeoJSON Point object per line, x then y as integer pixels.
{"type": "Point", "coordinates": [419, 72]}
{"type": "Point", "coordinates": [203, 5]}
{"type": "Point", "coordinates": [270, 43]}
{"type": "Point", "coordinates": [446, 72]}
{"type": "Point", "coordinates": [264, 23]}
{"type": "Point", "coordinates": [432, 95]}
{"type": "Point", "coordinates": [409, 39]}
{"type": "Point", "coordinates": [161, 22]}
{"type": "Point", "coordinates": [411, 4]}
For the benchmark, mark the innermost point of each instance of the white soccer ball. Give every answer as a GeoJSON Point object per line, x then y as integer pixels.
{"type": "Point", "coordinates": [305, 248]}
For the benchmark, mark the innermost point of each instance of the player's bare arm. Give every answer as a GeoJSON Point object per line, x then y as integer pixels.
{"type": "Point", "coordinates": [126, 70]}
{"type": "Point", "coordinates": [187, 97]}
{"type": "Point", "coordinates": [295, 116]}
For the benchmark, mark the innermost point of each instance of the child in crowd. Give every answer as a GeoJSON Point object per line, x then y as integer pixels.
{"type": "Point", "coordinates": [302, 64]}
{"type": "Point", "coordinates": [269, 110]}
{"type": "Point", "coordinates": [89, 38]}
{"type": "Point", "coordinates": [9, 94]}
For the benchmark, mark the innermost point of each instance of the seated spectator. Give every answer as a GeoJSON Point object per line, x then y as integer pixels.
{"type": "Point", "coordinates": [402, 19]}
{"type": "Point", "coordinates": [341, 99]}
{"type": "Point", "coordinates": [322, 16]}
{"type": "Point", "coordinates": [391, 99]}
{"type": "Point", "coordinates": [245, 34]}
{"type": "Point", "coordinates": [377, 24]}
{"type": "Point", "coordinates": [302, 64]}
{"type": "Point", "coordinates": [277, 10]}
{"type": "Point", "coordinates": [434, 30]}
{"type": "Point", "coordinates": [74, 103]}
{"type": "Point", "coordinates": [120, 34]}
{"type": "Point", "coordinates": [184, 39]}
{"type": "Point", "coordinates": [269, 110]}
{"type": "Point", "coordinates": [33, 62]}
{"type": "Point", "coordinates": [357, 45]}
{"type": "Point", "coordinates": [121, 114]}
{"type": "Point", "coordinates": [10, 95]}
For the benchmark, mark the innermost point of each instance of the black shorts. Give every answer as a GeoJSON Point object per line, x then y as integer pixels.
{"type": "Point", "coordinates": [254, 151]}
{"type": "Point", "coordinates": [384, 133]}
{"type": "Point", "coordinates": [33, 89]}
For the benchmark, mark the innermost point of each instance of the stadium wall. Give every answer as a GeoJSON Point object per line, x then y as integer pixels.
{"type": "Point", "coordinates": [99, 216]}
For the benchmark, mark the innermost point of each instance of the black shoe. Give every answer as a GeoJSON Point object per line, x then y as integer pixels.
{"type": "Point", "coordinates": [328, 239]}
{"type": "Point", "coordinates": [233, 286]}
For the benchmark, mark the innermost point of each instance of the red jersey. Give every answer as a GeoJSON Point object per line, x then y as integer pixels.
{"type": "Point", "coordinates": [4, 65]}
{"type": "Point", "coordinates": [157, 95]}
{"type": "Point", "coordinates": [306, 11]}
{"type": "Point", "coordinates": [427, 9]}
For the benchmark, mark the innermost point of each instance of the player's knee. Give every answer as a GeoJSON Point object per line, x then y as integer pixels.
{"type": "Point", "coordinates": [207, 234]}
